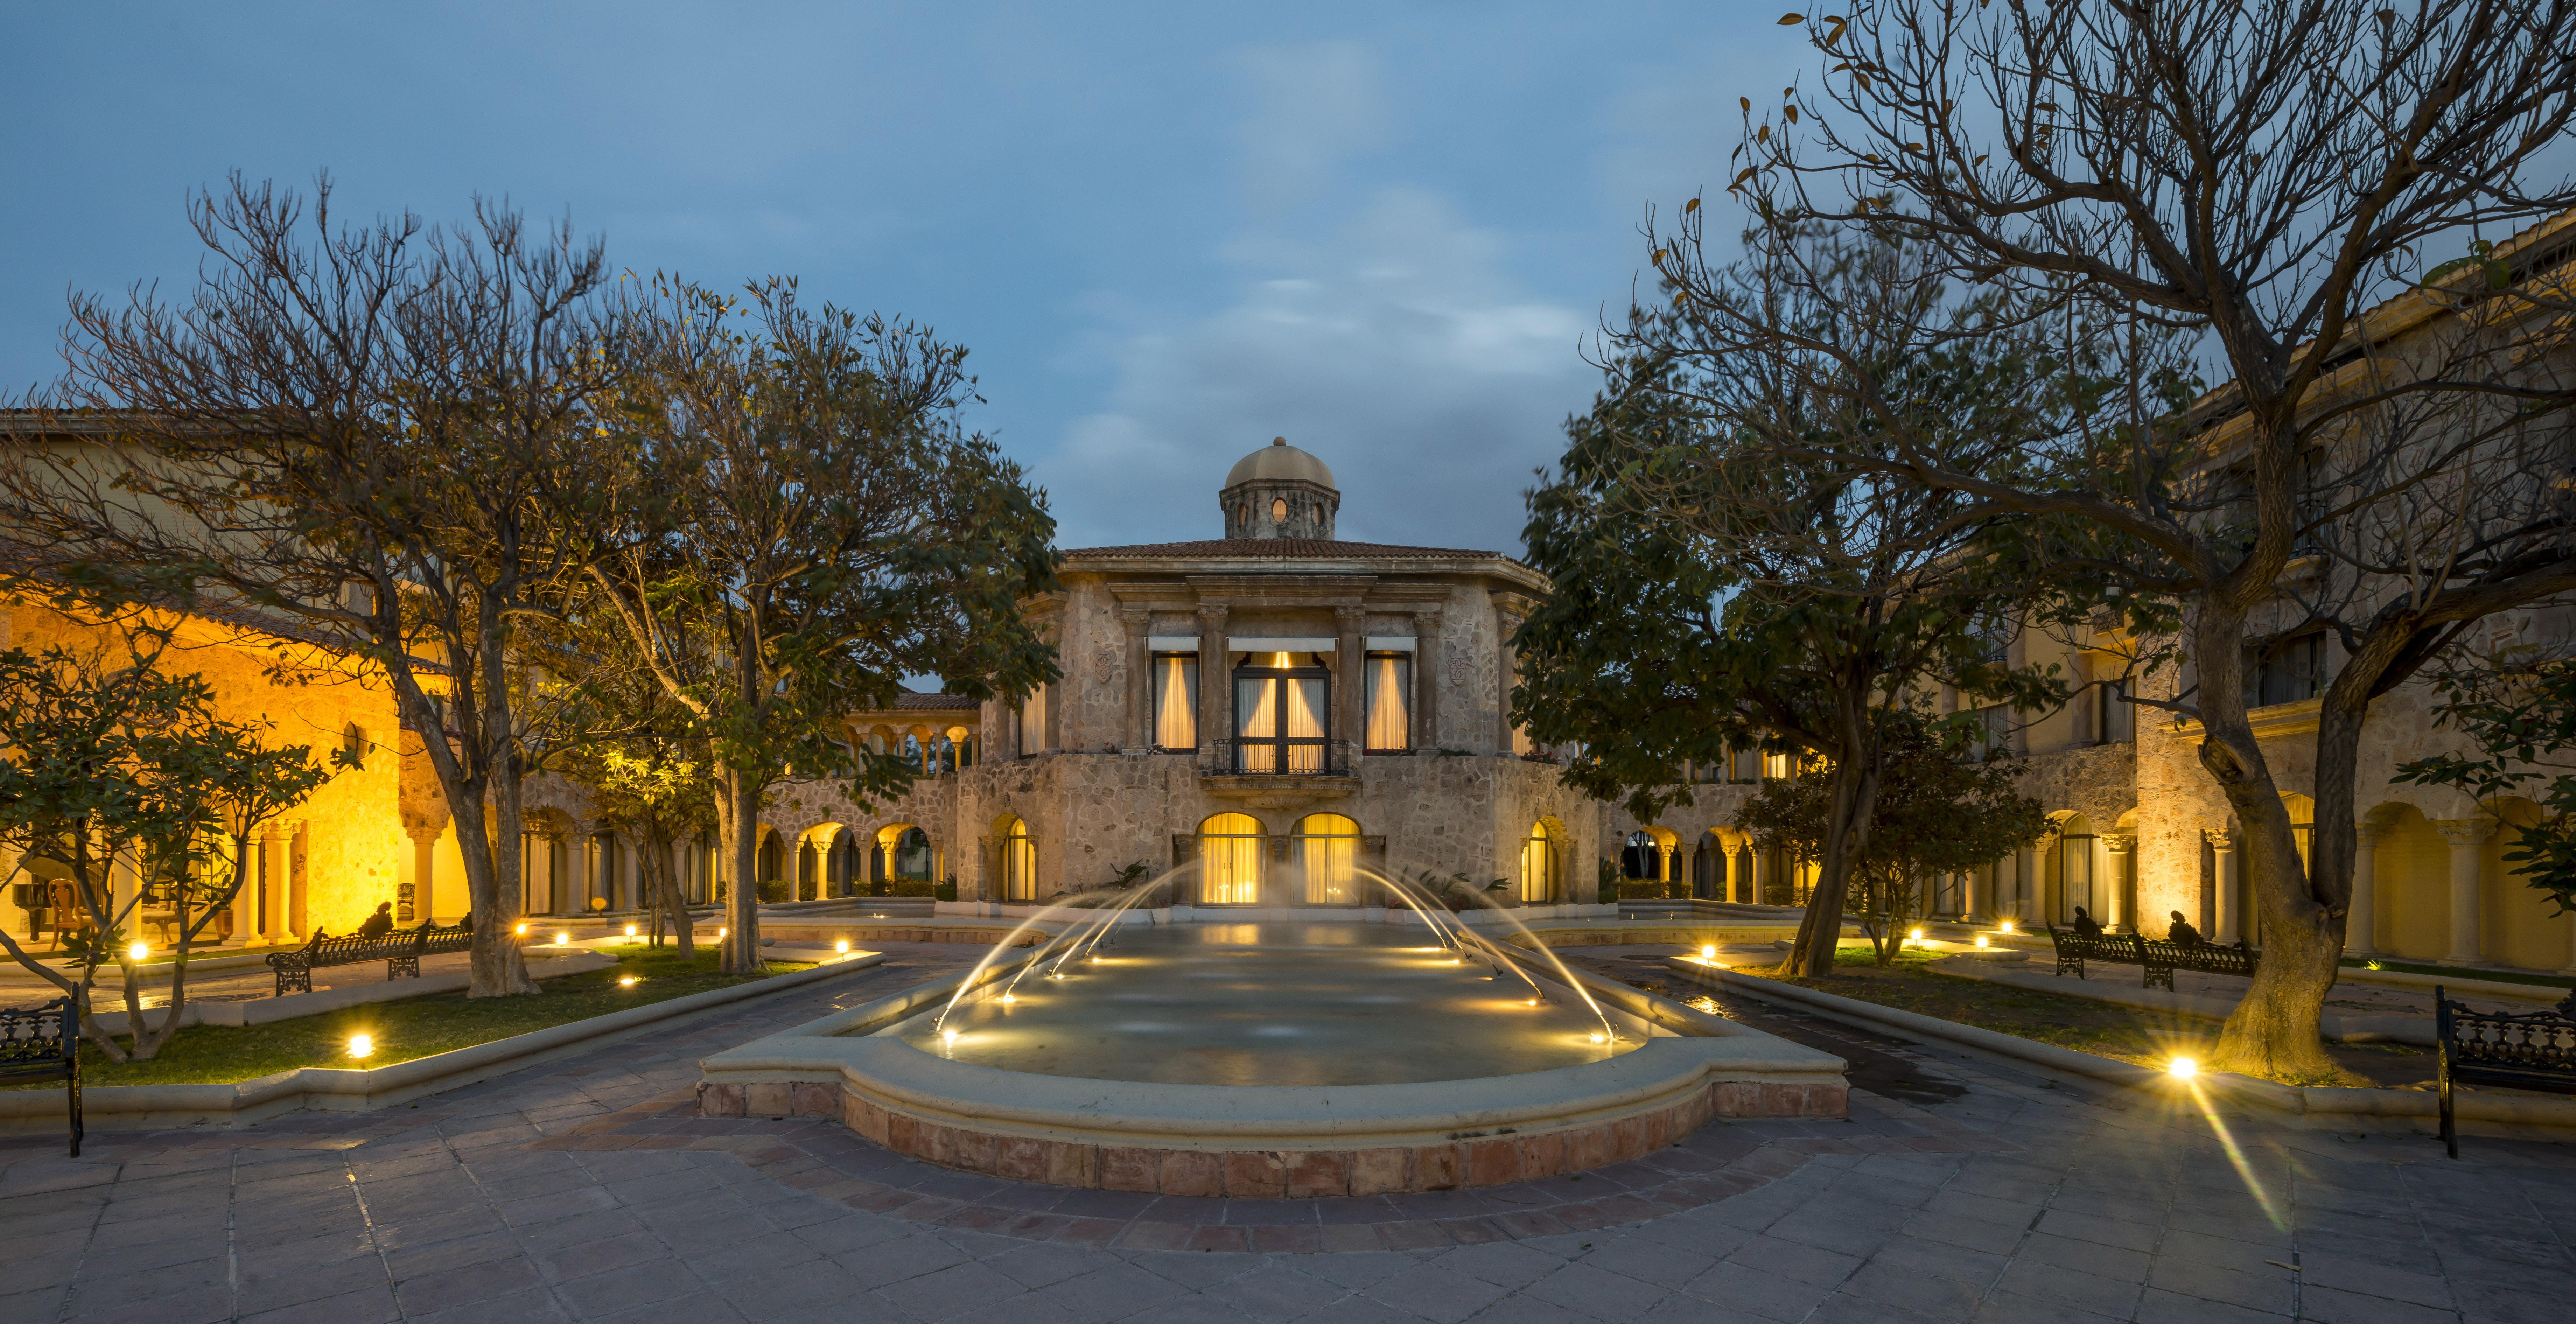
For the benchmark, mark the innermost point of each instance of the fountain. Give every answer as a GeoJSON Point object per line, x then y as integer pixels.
{"type": "Point", "coordinates": [1306, 1057]}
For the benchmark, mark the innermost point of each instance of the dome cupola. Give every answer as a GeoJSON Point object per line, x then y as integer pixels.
{"type": "Point", "coordinates": [1279, 491]}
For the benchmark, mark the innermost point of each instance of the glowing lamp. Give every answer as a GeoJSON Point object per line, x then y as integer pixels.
{"type": "Point", "coordinates": [2182, 1068]}
{"type": "Point", "coordinates": [360, 1045]}
{"type": "Point", "coordinates": [1708, 951]}
{"type": "Point", "coordinates": [626, 981]}
{"type": "Point", "coordinates": [523, 930]}
{"type": "Point", "coordinates": [630, 930]}
{"type": "Point", "coordinates": [948, 1036]}
{"type": "Point", "coordinates": [722, 932]}
{"type": "Point", "coordinates": [1914, 935]}
{"type": "Point", "coordinates": [1982, 944]}
{"type": "Point", "coordinates": [843, 946]}
{"type": "Point", "coordinates": [137, 951]}
{"type": "Point", "coordinates": [563, 940]}
{"type": "Point", "coordinates": [2006, 926]}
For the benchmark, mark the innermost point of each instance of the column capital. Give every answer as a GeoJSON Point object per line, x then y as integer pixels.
{"type": "Point", "coordinates": [2368, 832]}
{"type": "Point", "coordinates": [1138, 620]}
{"type": "Point", "coordinates": [2465, 832]}
{"type": "Point", "coordinates": [2219, 840]}
{"type": "Point", "coordinates": [2119, 843]}
{"type": "Point", "coordinates": [1213, 613]}
{"type": "Point", "coordinates": [1351, 619]}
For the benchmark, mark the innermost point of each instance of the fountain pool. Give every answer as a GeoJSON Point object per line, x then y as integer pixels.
{"type": "Point", "coordinates": [1268, 1060]}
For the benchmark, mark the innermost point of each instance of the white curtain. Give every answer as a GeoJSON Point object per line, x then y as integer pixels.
{"type": "Point", "coordinates": [1176, 723]}
{"type": "Point", "coordinates": [1230, 860]}
{"type": "Point", "coordinates": [1389, 716]}
{"type": "Point", "coordinates": [1033, 719]}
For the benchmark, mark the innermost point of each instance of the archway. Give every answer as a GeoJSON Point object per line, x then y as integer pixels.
{"type": "Point", "coordinates": [1708, 868]}
{"type": "Point", "coordinates": [1016, 862]}
{"type": "Point", "coordinates": [1543, 863]}
{"type": "Point", "coordinates": [1230, 860]}
{"type": "Point", "coordinates": [770, 862]}
{"type": "Point", "coordinates": [2070, 870]}
{"type": "Point", "coordinates": [1326, 851]}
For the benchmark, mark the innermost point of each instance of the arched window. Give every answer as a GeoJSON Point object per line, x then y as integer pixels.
{"type": "Point", "coordinates": [912, 855]}
{"type": "Point", "coordinates": [1539, 866]}
{"type": "Point", "coordinates": [2072, 865]}
{"type": "Point", "coordinates": [1642, 859]}
{"type": "Point", "coordinates": [808, 871]}
{"type": "Point", "coordinates": [1279, 510]}
{"type": "Point", "coordinates": [1708, 868]}
{"type": "Point", "coordinates": [1326, 848]}
{"type": "Point", "coordinates": [1230, 860]}
{"type": "Point", "coordinates": [1019, 862]}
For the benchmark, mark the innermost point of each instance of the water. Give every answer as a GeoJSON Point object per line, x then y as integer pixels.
{"type": "Point", "coordinates": [1270, 1004]}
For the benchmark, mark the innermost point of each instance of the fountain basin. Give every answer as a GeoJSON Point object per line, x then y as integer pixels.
{"type": "Point", "coordinates": [1261, 1140]}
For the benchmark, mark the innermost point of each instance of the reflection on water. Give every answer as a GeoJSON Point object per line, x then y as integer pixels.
{"type": "Point", "coordinates": [1270, 1004]}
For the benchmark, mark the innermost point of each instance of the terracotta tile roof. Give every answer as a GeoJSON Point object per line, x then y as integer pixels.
{"type": "Point", "coordinates": [1286, 548]}
{"type": "Point", "coordinates": [943, 702]}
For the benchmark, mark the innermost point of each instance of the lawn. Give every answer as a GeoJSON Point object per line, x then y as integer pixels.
{"type": "Point", "coordinates": [2130, 1034]}
{"type": "Point", "coordinates": [414, 1027]}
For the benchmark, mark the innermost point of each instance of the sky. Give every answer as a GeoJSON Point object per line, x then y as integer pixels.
{"type": "Point", "coordinates": [1167, 233]}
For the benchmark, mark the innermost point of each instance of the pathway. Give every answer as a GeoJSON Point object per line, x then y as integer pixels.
{"type": "Point", "coordinates": [1959, 1190]}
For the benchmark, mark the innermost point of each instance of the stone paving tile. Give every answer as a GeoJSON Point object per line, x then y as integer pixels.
{"type": "Point", "coordinates": [531, 1197]}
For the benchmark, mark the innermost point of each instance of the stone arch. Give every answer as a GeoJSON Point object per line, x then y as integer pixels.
{"type": "Point", "coordinates": [1014, 859]}
{"type": "Point", "coordinates": [823, 860]}
{"type": "Point", "coordinates": [2516, 925]}
{"type": "Point", "coordinates": [1545, 862]}
{"type": "Point", "coordinates": [1324, 851]}
{"type": "Point", "coordinates": [2070, 870]}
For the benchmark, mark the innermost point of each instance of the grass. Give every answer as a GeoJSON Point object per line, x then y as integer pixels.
{"type": "Point", "coordinates": [2454, 972]}
{"type": "Point", "coordinates": [2107, 1029]}
{"type": "Point", "coordinates": [414, 1027]}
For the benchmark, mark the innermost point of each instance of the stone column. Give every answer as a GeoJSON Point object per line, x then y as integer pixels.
{"type": "Point", "coordinates": [1427, 655]}
{"type": "Point", "coordinates": [1216, 734]}
{"type": "Point", "coordinates": [2223, 846]}
{"type": "Point", "coordinates": [2468, 837]}
{"type": "Point", "coordinates": [1140, 677]}
{"type": "Point", "coordinates": [1350, 689]}
{"type": "Point", "coordinates": [1759, 869]}
{"type": "Point", "coordinates": [2122, 852]}
{"type": "Point", "coordinates": [2361, 922]}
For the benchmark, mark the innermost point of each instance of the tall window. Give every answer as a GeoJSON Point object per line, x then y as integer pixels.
{"type": "Point", "coordinates": [1230, 860]}
{"type": "Point", "coordinates": [1390, 712]}
{"type": "Point", "coordinates": [2075, 877]}
{"type": "Point", "coordinates": [1279, 708]}
{"type": "Point", "coordinates": [1176, 686]}
{"type": "Point", "coordinates": [1539, 867]}
{"type": "Point", "coordinates": [1327, 850]}
{"type": "Point", "coordinates": [1033, 722]}
{"type": "Point", "coordinates": [1019, 862]}
{"type": "Point", "coordinates": [912, 855]}
{"type": "Point", "coordinates": [2295, 669]}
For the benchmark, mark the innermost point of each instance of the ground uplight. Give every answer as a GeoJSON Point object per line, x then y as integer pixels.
{"type": "Point", "coordinates": [1708, 951]}
{"type": "Point", "coordinates": [1981, 941]}
{"type": "Point", "coordinates": [843, 946]}
{"type": "Point", "coordinates": [139, 950]}
{"type": "Point", "coordinates": [626, 981]}
{"type": "Point", "coordinates": [2182, 1068]}
{"type": "Point", "coordinates": [630, 930]}
{"type": "Point", "coordinates": [360, 1045]}
{"type": "Point", "coordinates": [563, 940]}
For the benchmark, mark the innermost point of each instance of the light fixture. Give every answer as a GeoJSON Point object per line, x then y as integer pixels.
{"type": "Point", "coordinates": [2182, 1068]}
{"type": "Point", "coordinates": [1982, 944]}
{"type": "Point", "coordinates": [360, 1045]}
{"type": "Point", "coordinates": [1914, 935]}
{"type": "Point", "coordinates": [630, 930]}
{"type": "Point", "coordinates": [137, 951]}
{"type": "Point", "coordinates": [563, 940]}
{"type": "Point", "coordinates": [626, 981]}
{"type": "Point", "coordinates": [843, 946]}
{"type": "Point", "coordinates": [2006, 926]}
{"type": "Point", "coordinates": [1708, 951]}
{"type": "Point", "coordinates": [720, 933]}
{"type": "Point", "coordinates": [523, 930]}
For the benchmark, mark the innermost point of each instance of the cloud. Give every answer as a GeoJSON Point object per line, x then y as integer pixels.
{"type": "Point", "coordinates": [1395, 346]}
{"type": "Point", "coordinates": [1314, 107]}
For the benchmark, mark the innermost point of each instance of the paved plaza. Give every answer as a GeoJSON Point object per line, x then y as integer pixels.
{"type": "Point", "coordinates": [586, 1189]}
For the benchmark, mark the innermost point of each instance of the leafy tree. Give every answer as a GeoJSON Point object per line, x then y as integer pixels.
{"type": "Point", "coordinates": [800, 507]}
{"type": "Point", "coordinates": [1718, 586]}
{"type": "Point", "coordinates": [1942, 808]}
{"type": "Point", "coordinates": [108, 763]}
{"type": "Point", "coordinates": [2274, 177]}
{"type": "Point", "coordinates": [2520, 723]}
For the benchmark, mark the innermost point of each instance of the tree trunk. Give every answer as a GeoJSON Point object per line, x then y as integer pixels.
{"type": "Point", "coordinates": [741, 945]}
{"type": "Point", "coordinates": [1855, 793]}
{"type": "Point", "coordinates": [497, 967]}
{"type": "Point", "coordinates": [2273, 1031]}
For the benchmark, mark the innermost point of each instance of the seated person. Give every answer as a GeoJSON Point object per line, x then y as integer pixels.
{"type": "Point", "coordinates": [380, 923]}
{"type": "Point", "coordinates": [2182, 934]}
{"type": "Point", "coordinates": [2087, 925]}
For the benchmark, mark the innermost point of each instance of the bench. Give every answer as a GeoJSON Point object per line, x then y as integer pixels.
{"type": "Point", "coordinates": [2159, 957]}
{"type": "Point", "coordinates": [400, 950]}
{"type": "Point", "coordinates": [2533, 1050]}
{"type": "Point", "coordinates": [43, 1043]}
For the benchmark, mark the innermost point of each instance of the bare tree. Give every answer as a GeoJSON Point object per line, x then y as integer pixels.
{"type": "Point", "coordinates": [353, 434]}
{"type": "Point", "coordinates": [2262, 174]}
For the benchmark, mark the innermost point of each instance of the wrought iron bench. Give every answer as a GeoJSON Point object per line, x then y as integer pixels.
{"type": "Point", "coordinates": [2074, 949]}
{"type": "Point", "coordinates": [400, 950]}
{"type": "Point", "coordinates": [2532, 1050]}
{"type": "Point", "coordinates": [2162, 958]}
{"type": "Point", "coordinates": [43, 1043]}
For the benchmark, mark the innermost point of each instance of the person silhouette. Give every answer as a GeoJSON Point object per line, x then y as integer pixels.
{"type": "Point", "coordinates": [2087, 925]}
{"type": "Point", "coordinates": [380, 923]}
{"type": "Point", "coordinates": [2182, 934]}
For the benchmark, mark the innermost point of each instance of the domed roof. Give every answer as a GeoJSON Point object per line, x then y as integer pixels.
{"type": "Point", "coordinates": [1280, 460]}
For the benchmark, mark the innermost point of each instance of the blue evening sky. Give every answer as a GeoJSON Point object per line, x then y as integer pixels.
{"type": "Point", "coordinates": [1169, 232]}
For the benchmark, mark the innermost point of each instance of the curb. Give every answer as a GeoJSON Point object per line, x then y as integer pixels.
{"type": "Point", "coordinates": [2309, 1107]}
{"type": "Point", "coordinates": [364, 1089]}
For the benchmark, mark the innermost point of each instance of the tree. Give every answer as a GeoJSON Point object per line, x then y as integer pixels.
{"type": "Point", "coordinates": [108, 764]}
{"type": "Point", "coordinates": [1942, 808]}
{"type": "Point", "coordinates": [801, 507]}
{"type": "Point", "coordinates": [1722, 580]}
{"type": "Point", "coordinates": [355, 436]}
{"type": "Point", "coordinates": [2519, 718]}
{"type": "Point", "coordinates": [2259, 174]}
